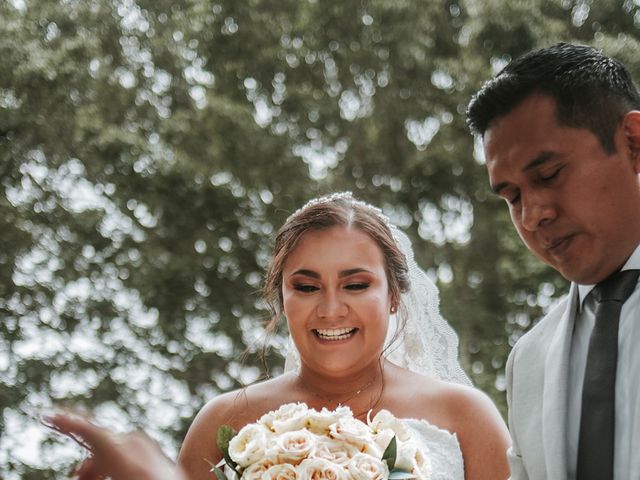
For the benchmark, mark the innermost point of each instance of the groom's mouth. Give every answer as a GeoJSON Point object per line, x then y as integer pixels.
{"type": "Point", "coordinates": [335, 333]}
{"type": "Point", "coordinates": [558, 246]}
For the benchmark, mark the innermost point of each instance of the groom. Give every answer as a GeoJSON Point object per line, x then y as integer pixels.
{"type": "Point", "coordinates": [561, 134]}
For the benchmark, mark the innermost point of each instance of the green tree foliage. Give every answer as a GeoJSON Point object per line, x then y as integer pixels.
{"type": "Point", "coordinates": [149, 150]}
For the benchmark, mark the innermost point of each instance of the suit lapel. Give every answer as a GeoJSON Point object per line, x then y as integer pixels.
{"type": "Point", "coordinates": [554, 407]}
{"type": "Point", "coordinates": [634, 460]}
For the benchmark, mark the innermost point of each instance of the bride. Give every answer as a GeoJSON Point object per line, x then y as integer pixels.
{"type": "Point", "coordinates": [366, 333]}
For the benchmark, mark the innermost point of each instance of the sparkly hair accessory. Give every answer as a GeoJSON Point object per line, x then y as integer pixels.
{"type": "Point", "coordinates": [345, 196]}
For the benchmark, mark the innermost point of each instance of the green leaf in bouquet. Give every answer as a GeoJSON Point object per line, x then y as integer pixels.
{"type": "Point", "coordinates": [225, 434]}
{"type": "Point", "coordinates": [397, 474]}
{"type": "Point", "coordinates": [390, 453]}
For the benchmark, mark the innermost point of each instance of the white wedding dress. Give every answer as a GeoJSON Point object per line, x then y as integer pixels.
{"type": "Point", "coordinates": [441, 447]}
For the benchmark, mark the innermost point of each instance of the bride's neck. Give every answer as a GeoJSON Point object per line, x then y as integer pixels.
{"type": "Point", "coordinates": [341, 389]}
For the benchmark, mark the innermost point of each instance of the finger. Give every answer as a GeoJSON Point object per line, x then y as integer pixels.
{"type": "Point", "coordinates": [80, 429]}
{"type": "Point", "coordinates": [63, 420]}
{"type": "Point", "coordinates": [73, 436]}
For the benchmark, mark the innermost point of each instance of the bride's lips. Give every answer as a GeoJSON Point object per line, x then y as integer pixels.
{"type": "Point", "coordinates": [334, 334]}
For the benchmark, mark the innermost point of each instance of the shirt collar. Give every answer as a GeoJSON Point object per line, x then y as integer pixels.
{"type": "Point", "coordinates": [632, 263]}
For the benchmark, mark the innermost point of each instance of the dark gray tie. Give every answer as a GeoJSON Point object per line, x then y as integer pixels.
{"type": "Point", "coordinates": [597, 420]}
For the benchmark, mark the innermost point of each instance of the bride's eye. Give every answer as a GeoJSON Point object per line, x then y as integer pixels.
{"type": "Point", "coordinates": [305, 287]}
{"type": "Point", "coordinates": [357, 286]}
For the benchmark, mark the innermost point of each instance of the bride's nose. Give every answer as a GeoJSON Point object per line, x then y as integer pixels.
{"type": "Point", "coordinates": [330, 305]}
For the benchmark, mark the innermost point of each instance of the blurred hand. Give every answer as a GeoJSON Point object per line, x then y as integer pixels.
{"type": "Point", "coordinates": [130, 456]}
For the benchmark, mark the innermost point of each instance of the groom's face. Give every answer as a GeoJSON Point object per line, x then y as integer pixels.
{"type": "Point", "coordinates": [575, 206]}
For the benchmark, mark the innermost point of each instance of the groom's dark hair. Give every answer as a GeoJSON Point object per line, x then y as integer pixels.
{"type": "Point", "coordinates": [591, 90]}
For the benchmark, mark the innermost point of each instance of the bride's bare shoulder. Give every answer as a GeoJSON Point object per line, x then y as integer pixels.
{"type": "Point", "coordinates": [454, 401]}
{"type": "Point", "coordinates": [235, 409]}
{"type": "Point", "coordinates": [239, 407]}
{"type": "Point", "coordinates": [481, 430]}
{"type": "Point", "coordinates": [464, 410]}
{"type": "Point", "coordinates": [438, 401]}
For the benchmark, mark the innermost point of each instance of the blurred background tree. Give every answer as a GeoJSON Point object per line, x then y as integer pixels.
{"type": "Point", "coordinates": [150, 149]}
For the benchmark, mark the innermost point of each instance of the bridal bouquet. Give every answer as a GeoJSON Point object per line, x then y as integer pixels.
{"type": "Point", "coordinates": [298, 442]}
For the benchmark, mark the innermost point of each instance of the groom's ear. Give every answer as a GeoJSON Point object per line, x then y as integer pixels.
{"type": "Point", "coordinates": [631, 129]}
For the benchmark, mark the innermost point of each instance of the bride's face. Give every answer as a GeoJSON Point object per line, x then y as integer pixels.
{"type": "Point", "coordinates": [336, 299]}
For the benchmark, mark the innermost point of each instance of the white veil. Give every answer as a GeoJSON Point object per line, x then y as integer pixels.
{"type": "Point", "coordinates": [426, 344]}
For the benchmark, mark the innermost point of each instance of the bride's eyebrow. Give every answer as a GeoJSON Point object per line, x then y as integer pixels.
{"type": "Point", "coordinates": [342, 274]}
{"type": "Point", "coordinates": [352, 271]}
{"type": "Point", "coordinates": [306, 273]}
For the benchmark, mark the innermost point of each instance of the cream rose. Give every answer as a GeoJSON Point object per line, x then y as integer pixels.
{"type": "Point", "coordinates": [382, 438]}
{"type": "Point", "coordinates": [374, 449]}
{"type": "Point", "coordinates": [289, 417]}
{"type": "Point", "coordinates": [257, 470]}
{"type": "Point", "coordinates": [412, 459]}
{"type": "Point", "coordinates": [366, 467]}
{"type": "Point", "coordinates": [353, 431]}
{"type": "Point", "coordinates": [283, 471]}
{"type": "Point", "coordinates": [321, 469]}
{"type": "Point", "coordinates": [319, 422]}
{"type": "Point", "coordinates": [336, 452]}
{"type": "Point", "coordinates": [386, 420]}
{"type": "Point", "coordinates": [249, 445]}
{"type": "Point", "coordinates": [293, 447]}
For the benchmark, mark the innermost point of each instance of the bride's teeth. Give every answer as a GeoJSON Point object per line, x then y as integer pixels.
{"type": "Point", "coordinates": [335, 333]}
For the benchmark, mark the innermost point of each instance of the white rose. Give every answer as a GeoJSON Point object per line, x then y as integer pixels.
{"type": "Point", "coordinates": [412, 459]}
{"type": "Point", "coordinates": [366, 467]}
{"type": "Point", "coordinates": [249, 445]}
{"type": "Point", "coordinates": [319, 422]}
{"type": "Point", "coordinates": [382, 438]}
{"type": "Point", "coordinates": [373, 449]}
{"type": "Point", "coordinates": [384, 419]}
{"type": "Point", "coordinates": [255, 471]}
{"type": "Point", "coordinates": [289, 417]}
{"type": "Point", "coordinates": [321, 469]}
{"type": "Point", "coordinates": [292, 447]}
{"type": "Point", "coordinates": [283, 471]}
{"type": "Point", "coordinates": [343, 411]}
{"type": "Point", "coordinates": [353, 431]}
{"type": "Point", "coordinates": [405, 454]}
{"type": "Point", "coordinates": [336, 452]}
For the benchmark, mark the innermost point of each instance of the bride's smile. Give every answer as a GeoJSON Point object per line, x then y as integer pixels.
{"type": "Point", "coordinates": [333, 334]}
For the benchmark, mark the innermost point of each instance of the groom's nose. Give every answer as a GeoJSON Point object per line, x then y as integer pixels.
{"type": "Point", "coordinates": [536, 210]}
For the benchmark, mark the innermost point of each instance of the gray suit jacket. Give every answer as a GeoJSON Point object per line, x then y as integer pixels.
{"type": "Point", "coordinates": [537, 373]}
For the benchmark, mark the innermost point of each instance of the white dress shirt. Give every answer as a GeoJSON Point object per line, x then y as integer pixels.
{"type": "Point", "coordinates": [627, 376]}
